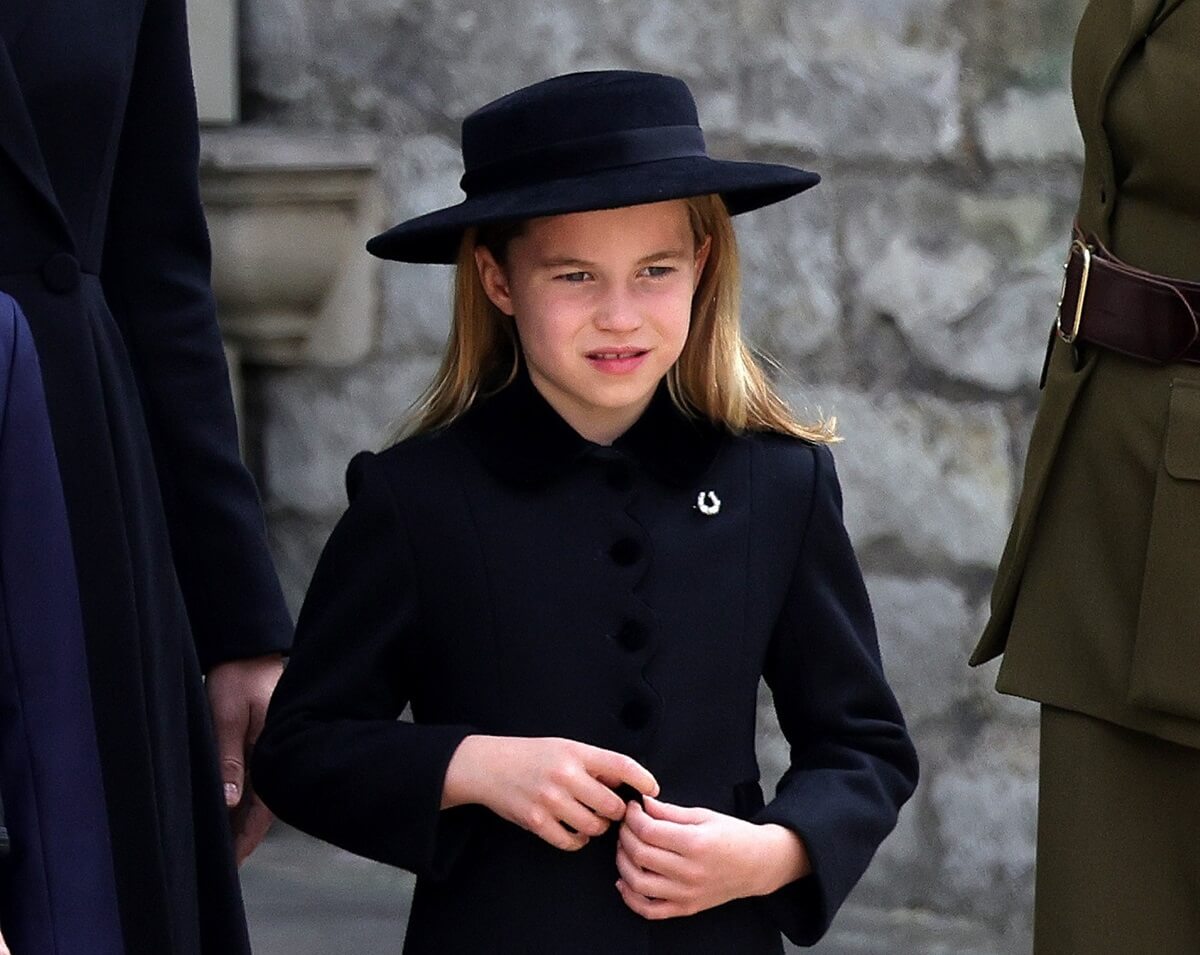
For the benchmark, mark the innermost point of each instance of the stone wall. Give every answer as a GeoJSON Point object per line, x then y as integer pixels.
{"type": "Point", "coordinates": [910, 294]}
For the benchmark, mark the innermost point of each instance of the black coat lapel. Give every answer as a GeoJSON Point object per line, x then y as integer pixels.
{"type": "Point", "coordinates": [19, 139]}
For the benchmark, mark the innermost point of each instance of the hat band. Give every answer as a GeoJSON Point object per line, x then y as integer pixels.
{"type": "Point", "coordinates": [577, 157]}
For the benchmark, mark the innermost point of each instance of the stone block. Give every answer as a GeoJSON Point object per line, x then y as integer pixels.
{"type": "Point", "coordinates": [925, 629]}
{"type": "Point", "coordinates": [315, 422]}
{"type": "Point", "coordinates": [1030, 126]}
{"type": "Point", "coordinates": [791, 305]}
{"type": "Point", "coordinates": [921, 475]}
{"type": "Point", "coordinates": [985, 803]}
{"type": "Point", "coordinates": [857, 80]}
{"type": "Point", "coordinates": [968, 281]}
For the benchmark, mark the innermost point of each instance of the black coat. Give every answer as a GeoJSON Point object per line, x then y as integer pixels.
{"type": "Point", "coordinates": [103, 245]}
{"type": "Point", "coordinates": [505, 576]}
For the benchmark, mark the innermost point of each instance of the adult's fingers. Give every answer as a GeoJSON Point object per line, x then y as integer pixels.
{"type": "Point", "coordinates": [613, 769]}
{"type": "Point", "coordinates": [251, 823]}
{"type": "Point", "coordinates": [231, 721]}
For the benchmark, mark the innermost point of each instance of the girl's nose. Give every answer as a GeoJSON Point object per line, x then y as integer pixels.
{"type": "Point", "coordinates": [618, 312]}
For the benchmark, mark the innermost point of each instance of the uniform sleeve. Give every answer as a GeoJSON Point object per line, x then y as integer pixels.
{"type": "Point", "coordinates": [852, 764]}
{"type": "Point", "coordinates": [334, 759]}
{"type": "Point", "coordinates": [155, 274]}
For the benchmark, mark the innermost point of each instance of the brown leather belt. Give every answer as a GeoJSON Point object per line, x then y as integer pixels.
{"type": "Point", "coordinates": [1114, 305]}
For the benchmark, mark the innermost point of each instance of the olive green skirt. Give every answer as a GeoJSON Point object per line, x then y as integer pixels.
{"type": "Point", "coordinates": [1118, 869]}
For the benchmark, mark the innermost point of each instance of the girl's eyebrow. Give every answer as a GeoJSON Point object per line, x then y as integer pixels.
{"type": "Point", "coordinates": [561, 262]}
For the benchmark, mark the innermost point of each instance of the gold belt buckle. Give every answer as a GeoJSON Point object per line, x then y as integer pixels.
{"type": "Point", "coordinates": [1086, 251]}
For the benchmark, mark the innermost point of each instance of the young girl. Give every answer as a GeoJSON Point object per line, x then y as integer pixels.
{"type": "Point", "coordinates": [602, 531]}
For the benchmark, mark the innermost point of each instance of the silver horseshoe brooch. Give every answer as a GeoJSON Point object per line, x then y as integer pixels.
{"type": "Point", "coordinates": [707, 503]}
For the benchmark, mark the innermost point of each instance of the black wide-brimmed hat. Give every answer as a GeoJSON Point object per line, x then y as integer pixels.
{"type": "Point", "coordinates": [584, 141]}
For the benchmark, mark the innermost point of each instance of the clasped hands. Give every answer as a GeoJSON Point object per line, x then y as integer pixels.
{"type": "Point", "coordinates": [671, 860]}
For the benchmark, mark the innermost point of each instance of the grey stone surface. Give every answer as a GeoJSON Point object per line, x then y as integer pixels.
{"type": "Point", "coordinates": [910, 294]}
{"type": "Point", "coordinates": [922, 477]}
{"type": "Point", "coordinates": [925, 630]}
{"type": "Point", "coordinates": [316, 421]}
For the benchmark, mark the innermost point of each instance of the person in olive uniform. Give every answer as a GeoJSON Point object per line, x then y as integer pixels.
{"type": "Point", "coordinates": [1096, 606]}
{"type": "Point", "coordinates": [602, 530]}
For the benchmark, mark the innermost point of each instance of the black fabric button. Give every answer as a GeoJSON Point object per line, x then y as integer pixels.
{"type": "Point", "coordinates": [60, 272]}
{"type": "Point", "coordinates": [618, 477]}
{"type": "Point", "coordinates": [625, 551]}
{"type": "Point", "coordinates": [635, 714]}
{"type": "Point", "coordinates": [632, 636]}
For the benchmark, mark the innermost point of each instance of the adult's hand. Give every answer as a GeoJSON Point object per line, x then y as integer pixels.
{"type": "Point", "coordinates": [559, 789]}
{"type": "Point", "coordinates": [675, 860]}
{"type": "Point", "coordinates": [238, 693]}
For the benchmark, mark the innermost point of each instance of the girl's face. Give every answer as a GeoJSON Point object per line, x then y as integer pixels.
{"type": "Point", "coordinates": [601, 301]}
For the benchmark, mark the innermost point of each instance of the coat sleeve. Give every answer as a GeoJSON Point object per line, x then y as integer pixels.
{"type": "Point", "coordinates": [155, 274]}
{"type": "Point", "coordinates": [334, 759]}
{"type": "Point", "coordinates": [852, 764]}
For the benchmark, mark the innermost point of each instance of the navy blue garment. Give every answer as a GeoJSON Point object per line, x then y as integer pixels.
{"type": "Point", "coordinates": [104, 246]}
{"type": "Point", "coordinates": [505, 576]}
{"type": "Point", "coordinates": [57, 891]}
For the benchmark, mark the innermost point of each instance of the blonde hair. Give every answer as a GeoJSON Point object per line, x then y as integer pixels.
{"type": "Point", "coordinates": [717, 376]}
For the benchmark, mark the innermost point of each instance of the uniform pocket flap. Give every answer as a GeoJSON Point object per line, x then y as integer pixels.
{"type": "Point", "coordinates": [1182, 456]}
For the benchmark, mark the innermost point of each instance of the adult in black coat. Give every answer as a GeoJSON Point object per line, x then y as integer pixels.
{"type": "Point", "coordinates": [103, 245]}
{"type": "Point", "coordinates": [576, 574]}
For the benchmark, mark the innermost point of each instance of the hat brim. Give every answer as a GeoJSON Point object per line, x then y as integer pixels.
{"type": "Point", "coordinates": [435, 236]}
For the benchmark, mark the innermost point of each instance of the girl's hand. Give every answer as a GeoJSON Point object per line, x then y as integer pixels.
{"type": "Point", "coordinates": [678, 861]}
{"type": "Point", "coordinates": [559, 789]}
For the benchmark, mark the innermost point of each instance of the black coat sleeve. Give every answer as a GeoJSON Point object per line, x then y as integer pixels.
{"type": "Point", "coordinates": [155, 274]}
{"type": "Point", "coordinates": [333, 758]}
{"type": "Point", "coordinates": [852, 763]}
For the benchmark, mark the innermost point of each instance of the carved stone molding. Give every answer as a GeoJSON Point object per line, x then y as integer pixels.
{"type": "Point", "coordinates": [288, 215]}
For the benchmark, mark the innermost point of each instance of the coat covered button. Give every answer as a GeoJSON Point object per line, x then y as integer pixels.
{"type": "Point", "coordinates": [60, 272]}
{"type": "Point", "coordinates": [625, 551]}
{"type": "Point", "coordinates": [632, 636]}
{"type": "Point", "coordinates": [635, 714]}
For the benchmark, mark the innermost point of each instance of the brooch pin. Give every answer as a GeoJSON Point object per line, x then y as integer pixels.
{"type": "Point", "coordinates": [707, 503]}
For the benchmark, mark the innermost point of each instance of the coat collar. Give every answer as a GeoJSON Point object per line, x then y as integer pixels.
{"type": "Point", "coordinates": [523, 440]}
{"type": "Point", "coordinates": [18, 137]}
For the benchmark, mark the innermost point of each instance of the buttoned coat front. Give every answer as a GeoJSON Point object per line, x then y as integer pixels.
{"type": "Point", "coordinates": [103, 246]}
{"type": "Point", "coordinates": [505, 576]}
{"type": "Point", "coordinates": [1095, 605]}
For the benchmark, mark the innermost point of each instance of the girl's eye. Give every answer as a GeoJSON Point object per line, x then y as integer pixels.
{"type": "Point", "coordinates": [657, 271]}
{"type": "Point", "coordinates": [574, 276]}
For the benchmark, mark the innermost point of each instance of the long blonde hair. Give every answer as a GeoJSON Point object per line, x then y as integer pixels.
{"type": "Point", "coordinates": [717, 376]}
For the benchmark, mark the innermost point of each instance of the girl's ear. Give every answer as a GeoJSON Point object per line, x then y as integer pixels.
{"type": "Point", "coordinates": [701, 259]}
{"type": "Point", "coordinates": [494, 279]}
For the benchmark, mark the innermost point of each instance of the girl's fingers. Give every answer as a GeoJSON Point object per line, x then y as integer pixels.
{"type": "Point", "coordinates": [579, 817]}
{"type": "Point", "coordinates": [671, 836]}
{"type": "Point", "coordinates": [547, 826]}
{"type": "Point", "coordinates": [648, 908]}
{"type": "Point", "coordinates": [615, 769]}
{"type": "Point", "coordinates": [644, 882]}
{"type": "Point", "coordinates": [599, 798]}
{"type": "Point", "coordinates": [669, 812]}
{"type": "Point", "coordinates": [645, 856]}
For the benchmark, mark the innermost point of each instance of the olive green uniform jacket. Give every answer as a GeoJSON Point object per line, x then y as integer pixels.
{"type": "Point", "coordinates": [1096, 605]}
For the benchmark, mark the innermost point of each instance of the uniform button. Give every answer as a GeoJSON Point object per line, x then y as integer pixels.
{"type": "Point", "coordinates": [625, 551]}
{"type": "Point", "coordinates": [635, 714]}
{"type": "Point", "coordinates": [60, 272]}
{"type": "Point", "coordinates": [632, 636]}
{"type": "Point", "coordinates": [618, 477]}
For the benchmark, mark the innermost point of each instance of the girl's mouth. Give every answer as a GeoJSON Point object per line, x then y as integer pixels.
{"type": "Point", "coordinates": [618, 360]}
